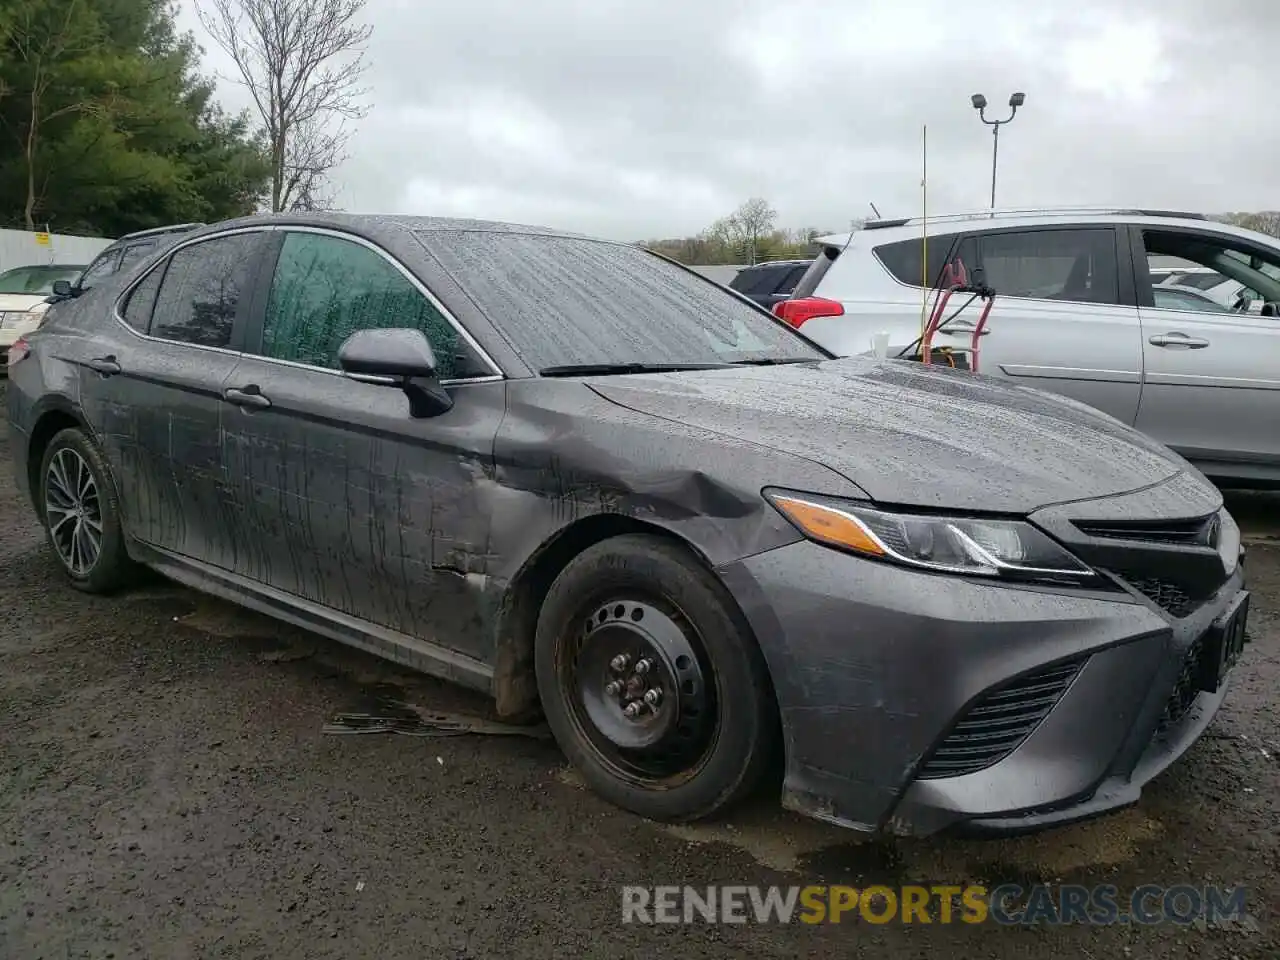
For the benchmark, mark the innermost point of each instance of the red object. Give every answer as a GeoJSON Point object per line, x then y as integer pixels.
{"type": "Point", "coordinates": [18, 350]}
{"type": "Point", "coordinates": [796, 312]}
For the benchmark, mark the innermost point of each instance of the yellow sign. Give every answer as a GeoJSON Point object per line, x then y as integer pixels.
{"type": "Point", "coordinates": [42, 239]}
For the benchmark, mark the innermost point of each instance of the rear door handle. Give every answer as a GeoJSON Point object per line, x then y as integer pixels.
{"type": "Point", "coordinates": [1177, 340]}
{"type": "Point", "coordinates": [247, 396]}
{"type": "Point", "coordinates": [104, 365]}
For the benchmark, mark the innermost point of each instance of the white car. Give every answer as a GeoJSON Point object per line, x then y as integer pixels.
{"type": "Point", "coordinates": [24, 292]}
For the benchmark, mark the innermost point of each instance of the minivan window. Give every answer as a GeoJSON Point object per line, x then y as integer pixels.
{"type": "Point", "coordinates": [326, 288]}
{"type": "Point", "coordinates": [903, 260]}
{"type": "Point", "coordinates": [1075, 264]}
{"type": "Point", "coordinates": [202, 287]}
{"type": "Point", "coordinates": [570, 301]}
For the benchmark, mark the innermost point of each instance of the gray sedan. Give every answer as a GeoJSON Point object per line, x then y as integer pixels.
{"type": "Point", "coordinates": [584, 480]}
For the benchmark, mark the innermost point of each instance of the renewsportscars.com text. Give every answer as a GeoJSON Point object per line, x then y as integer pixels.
{"type": "Point", "coordinates": [1006, 904]}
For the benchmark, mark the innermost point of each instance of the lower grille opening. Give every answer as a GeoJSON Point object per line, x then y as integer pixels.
{"type": "Point", "coordinates": [1178, 599]}
{"type": "Point", "coordinates": [999, 721]}
{"type": "Point", "coordinates": [1185, 690]}
{"type": "Point", "coordinates": [1165, 594]}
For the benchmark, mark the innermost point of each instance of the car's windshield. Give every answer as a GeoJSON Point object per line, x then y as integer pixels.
{"type": "Point", "coordinates": [563, 301]}
{"type": "Point", "coordinates": [36, 279]}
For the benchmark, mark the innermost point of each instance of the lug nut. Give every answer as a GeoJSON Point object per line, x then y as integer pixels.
{"type": "Point", "coordinates": [653, 696]}
{"type": "Point", "coordinates": [613, 688]}
{"type": "Point", "coordinates": [620, 662]}
{"type": "Point", "coordinates": [644, 666]}
{"type": "Point", "coordinates": [633, 708]}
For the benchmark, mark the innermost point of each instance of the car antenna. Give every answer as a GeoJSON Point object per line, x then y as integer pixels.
{"type": "Point", "coordinates": [874, 210]}
{"type": "Point", "coordinates": [924, 228]}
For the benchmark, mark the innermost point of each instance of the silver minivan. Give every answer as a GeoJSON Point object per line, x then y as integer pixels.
{"type": "Point", "coordinates": [1075, 314]}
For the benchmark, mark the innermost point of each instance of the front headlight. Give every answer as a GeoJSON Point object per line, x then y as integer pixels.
{"type": "Point", "coordinates": [23, 319]}
{"type": "Point", "coordinates": [1009, 549]}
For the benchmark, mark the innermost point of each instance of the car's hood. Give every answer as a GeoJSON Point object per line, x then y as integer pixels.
{"type": "Point", "coordinates": [910, 434]}
{"type": "Point", "coordinates": [21, 301]}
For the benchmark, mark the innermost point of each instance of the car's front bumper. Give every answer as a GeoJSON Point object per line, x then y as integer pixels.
{"type": "Point", "coordinates": [875, 665]}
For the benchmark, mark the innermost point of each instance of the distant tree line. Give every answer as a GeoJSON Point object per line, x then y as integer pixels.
{"type": "Point", "coordinates": [1264, 221]}
{"type": "Point", "coordinates": [748, 235]}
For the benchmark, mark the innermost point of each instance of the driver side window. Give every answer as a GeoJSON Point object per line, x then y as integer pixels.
{"type": "Point", "coordinates": [326, 288]}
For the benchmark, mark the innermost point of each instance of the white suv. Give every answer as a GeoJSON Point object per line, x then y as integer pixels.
{"type": "Point", "coordinates": [1074, 313]}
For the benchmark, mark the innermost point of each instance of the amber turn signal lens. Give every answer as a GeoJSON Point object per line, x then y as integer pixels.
{"type": "Point", "coordinates": [829, 525]}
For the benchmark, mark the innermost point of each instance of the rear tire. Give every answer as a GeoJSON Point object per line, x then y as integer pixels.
{"type": "Point", "coordinates": [80, 510]}
{"type": "Point", "coordinates": [706, 736]}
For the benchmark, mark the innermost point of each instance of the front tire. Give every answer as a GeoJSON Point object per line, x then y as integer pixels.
{"type": "Point", "coordinates": [80, 510]}
{"type": "Point", "coordinates": [651, 681]}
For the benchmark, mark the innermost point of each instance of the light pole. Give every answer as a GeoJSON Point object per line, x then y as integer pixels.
{"type": "Point", "coordinates": [980, 104]}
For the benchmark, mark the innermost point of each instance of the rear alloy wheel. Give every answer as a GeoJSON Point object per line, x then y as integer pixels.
{"type": "Point", "coordinates": [81, 513]}
{"type": "Point", "coordinates": [651, 681]}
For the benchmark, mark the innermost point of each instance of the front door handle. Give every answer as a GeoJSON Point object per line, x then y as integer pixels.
{"type": "Point", "coordinates": [104, 365]}
{"type": "Point", "coordinates": [1177, 340]}
{"type": "Point", "coordinates": [247, 396]}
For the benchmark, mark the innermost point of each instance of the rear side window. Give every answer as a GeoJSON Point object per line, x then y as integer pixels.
{"type": "Point", "coordinates": [904, 261]}
{"type": "Point", "coordinates": [142, 301]}
{"type": "Point", "coordinates": [791, 279]}
{"type": "Point", "coordinates": [1078, 265]}
{"type": "Point", "coordinates": [326, 288]}
{"type": "Point", "coordinates": [202, 289]}
{"type": "Point", "coordinates": [746, 280]}
{"type": "Point", "coordinates": [100, 269]}
{"type": "Point", "coordinates": [135, 252]}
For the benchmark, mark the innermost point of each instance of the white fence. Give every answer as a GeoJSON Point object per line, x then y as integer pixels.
{"type": "Point", "coordinates": [18, 248]}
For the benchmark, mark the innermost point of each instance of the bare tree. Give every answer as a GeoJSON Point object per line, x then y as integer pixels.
{"type": "Point", "coordinates": [753, 220]}
{"type": "Point", "coordinates": [302, 61]}
{"type": "Point", "coordinates": [42, 37]}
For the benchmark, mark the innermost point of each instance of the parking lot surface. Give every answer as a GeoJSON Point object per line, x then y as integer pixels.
{"type": "Point", "coordinates": [170, 787]}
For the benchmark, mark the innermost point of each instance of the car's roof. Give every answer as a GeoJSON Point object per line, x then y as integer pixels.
{"type": "Point", "coordinates": [888, 230]}
{"type": "Point", "coordinates": [373, 224]}
{"type": "Point", "coordinates": [157, 231]}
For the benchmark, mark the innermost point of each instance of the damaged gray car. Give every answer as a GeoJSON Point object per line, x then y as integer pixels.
{"type": "Point", "coordinates": [585, 480]}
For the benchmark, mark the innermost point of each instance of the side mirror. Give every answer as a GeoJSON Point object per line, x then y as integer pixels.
{"type": "Point", "coordinates": [397, 357]}
{"type": "Point", "coordinates": [62, 288]}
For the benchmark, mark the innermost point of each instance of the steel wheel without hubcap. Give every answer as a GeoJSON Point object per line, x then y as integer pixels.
{"type": "Point", "coordinates": [73, 511]}
{"type": "Point", "coordinates": [641, 692]}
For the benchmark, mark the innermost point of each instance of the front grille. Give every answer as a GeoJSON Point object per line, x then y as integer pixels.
{"type": "Point", "coordinates": [1200, 531]}
{"type": "Point", "coordinates": [1185, 690]}
{"type": "Point", "coordinates": [999, 721]}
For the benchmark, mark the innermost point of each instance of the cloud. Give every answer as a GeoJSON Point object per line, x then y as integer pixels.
{"type": "Point", "coordinates": [648, 119]}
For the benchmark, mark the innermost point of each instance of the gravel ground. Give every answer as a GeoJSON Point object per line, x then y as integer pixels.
{"type": "Point", "coordinates": [166, 790]}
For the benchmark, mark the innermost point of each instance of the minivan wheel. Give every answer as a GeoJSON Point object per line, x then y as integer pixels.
{"type": "Point", "coordinates": [651, 682]}
{"type": "Point", "coordinates": [81, 513]}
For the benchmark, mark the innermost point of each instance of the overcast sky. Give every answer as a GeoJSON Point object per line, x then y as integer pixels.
{"type": "Point", "coordinates": [642, 119]}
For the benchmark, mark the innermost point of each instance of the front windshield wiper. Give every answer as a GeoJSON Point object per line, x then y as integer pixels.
{"type": "Point", "coordinates": [774, 361]}
{"type": "Point", "coordinates": [591, 369]}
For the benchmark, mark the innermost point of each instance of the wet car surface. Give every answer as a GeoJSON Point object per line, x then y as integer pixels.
{"type": "Point", "coordinates": [515, 458]}
{"type": "Point", "coordinates": [170, 790]}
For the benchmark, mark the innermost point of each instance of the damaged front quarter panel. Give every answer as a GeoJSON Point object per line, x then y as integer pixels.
{"type": "Point", "coordinates": [573, 468]}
